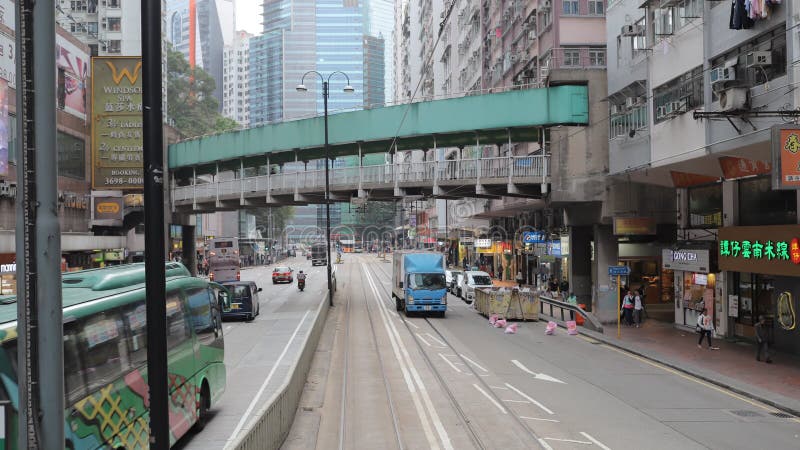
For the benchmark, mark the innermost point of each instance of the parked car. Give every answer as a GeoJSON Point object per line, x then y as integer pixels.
{"type": "Point", "coordinates": [472, 280]}
{"type": "Point", "coordinates": [242, 302]}
{"type": "Point", "coordinates": [282, 274]}
{"type": "Point", "coordinates": [451, 276]}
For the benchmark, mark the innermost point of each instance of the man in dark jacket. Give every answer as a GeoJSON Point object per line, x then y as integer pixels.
{"type": "Point", "coordinates": [762, 338]}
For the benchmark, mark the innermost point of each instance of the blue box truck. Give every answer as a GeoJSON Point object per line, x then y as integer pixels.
{"type": "Point", "coordinates": [418, 282]}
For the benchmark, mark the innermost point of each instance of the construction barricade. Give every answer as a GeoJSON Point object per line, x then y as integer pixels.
{"type": "Point", "coordinates": [510, 304]}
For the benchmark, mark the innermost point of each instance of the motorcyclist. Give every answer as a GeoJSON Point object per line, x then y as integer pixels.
{"type": "Point", "coordinates": [301, 277]}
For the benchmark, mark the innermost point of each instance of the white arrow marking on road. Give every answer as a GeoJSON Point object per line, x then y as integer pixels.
{"type": "Point", "coordinates": [538, 376]}
{"type": "Point", "coordinates": [596, 442]}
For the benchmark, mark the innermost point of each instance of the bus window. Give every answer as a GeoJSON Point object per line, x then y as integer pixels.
{"type": "Point", "coordinates": [136, 318]}
{"type": "Point", "coordinates": [104, 349]}
{"type": "Point", "coordinates": [177, 328]}
{"type": "Point", "coordinates": [74, 381]}
{"type": "Point", "coordinates": [200, 308]}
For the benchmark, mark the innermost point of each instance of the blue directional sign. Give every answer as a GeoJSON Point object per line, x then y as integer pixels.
{"type": "Point", "coordinates": [622, 271]}
{"type": "Point", "coordinates": [533, 237]}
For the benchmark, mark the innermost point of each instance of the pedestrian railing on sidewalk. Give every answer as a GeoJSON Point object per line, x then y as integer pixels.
{"type": "Point", "coordinates": [556, 309]}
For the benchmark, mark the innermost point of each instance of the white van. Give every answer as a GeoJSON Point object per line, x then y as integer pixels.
{"type": "Point", "coordinates": [471, 280]}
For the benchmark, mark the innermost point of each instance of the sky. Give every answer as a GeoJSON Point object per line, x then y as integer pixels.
{"type": "Point", "coordinates": [248, 16]}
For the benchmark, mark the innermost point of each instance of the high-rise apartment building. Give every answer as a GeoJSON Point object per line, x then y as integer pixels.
{"type": "Point", "coordinates": [109, 28]}
{"type": "Point", "coordinates": [214, 30]}
{"type": "Point", "coordinates": [235, 79]}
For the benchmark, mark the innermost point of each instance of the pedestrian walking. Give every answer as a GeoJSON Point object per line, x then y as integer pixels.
{"type": "Point", "coordinates": [519, 278]}
{"type": "Point", "coordinates": [762, 338]}
{"type": "Point", "coordinates": [705, 327]}
{"type": "Point", "coordinates": [637, 308]}
{"type": "Point", "coordinates": [627, 308]}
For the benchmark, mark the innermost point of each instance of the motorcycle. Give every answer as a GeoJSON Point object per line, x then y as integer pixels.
{"type": "Point", "coordinates": [301, 284]}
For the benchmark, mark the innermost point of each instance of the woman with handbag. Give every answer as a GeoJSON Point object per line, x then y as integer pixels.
{"type": "Point", "coordinates": [705, 326]}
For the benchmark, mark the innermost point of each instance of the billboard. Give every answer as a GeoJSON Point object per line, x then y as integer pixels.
{"type": "Point", "coordinates": [4, 124]}
{"type": "Point", "coordinates": [786, 156]}
{"type": "Point", "coordinates": [73, 71]}
{"type": "Point", "coordinates": [117, 123]}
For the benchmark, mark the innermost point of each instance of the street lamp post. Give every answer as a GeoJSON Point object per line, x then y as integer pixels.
{"type": "Point", "coordinates": [348, 89]}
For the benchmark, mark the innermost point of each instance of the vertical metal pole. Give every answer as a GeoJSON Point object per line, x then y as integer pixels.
{"type": "Point", "coordinates": [50, 341]}
{"type": "Point", "coordinates": [327, 193]}
{"type": "Point", "coordinates": [618, 307]}
{"type": "Point", "coordinates": [155, 276]}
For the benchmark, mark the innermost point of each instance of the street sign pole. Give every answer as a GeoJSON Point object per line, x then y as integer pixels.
{"type": "Point", "coordinates": [618, 308]}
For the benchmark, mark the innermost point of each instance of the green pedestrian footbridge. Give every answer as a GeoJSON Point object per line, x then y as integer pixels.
{"type": "Point", "coordinates": [198, 166]}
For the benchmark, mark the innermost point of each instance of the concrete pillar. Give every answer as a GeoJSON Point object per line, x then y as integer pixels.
{"type": "Point", "coordinates": [580, 264]}
{"type": "Point", "coordinates": [606, 253]}
{"type": "Point", "coordinates": [189, 252]}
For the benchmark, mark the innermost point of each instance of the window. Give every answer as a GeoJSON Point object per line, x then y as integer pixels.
{"type": "Point", "coordinates": [71, 155]}
{"type": "Point", "coordinates": [74, 373]}
{"type": "Point", "coordinates": [136, 320]}
{"type": "Point", "coordinates": [773, 42]}
{"type": "Point", "coordinates": [78, 5]}
{"type": "Point", "coordinates": [679, 95]}
{"type": "Point", "coordinates": [596, 7]}
{"type": "Point", "coordinates": [427, 281]}
{"type": "Point", "coordinates": [106, 359]}
{"type": "Point", "coordinates": [639, 43]}
{"type": "Point", "coordinates": [114, 46]}
{"type": "Point", "coordinates": [571, 7]}
{"type": "Point", "coordinates": [200, 307]}
{"type": "Point", "coordinates": [91, 27]}
{"type": "Point", "coordinates": [705, 206]}
{"type": "Point", "coordinates": [760, 205]}
{"type": "Point", "coordinates": [663, 22]}
{"type": "Point", "coordinates": [113, 3]}
{"type": "Point", "coordinates": [572, 58]}
{"type": "Point", "coordinates": [177, 328]}
{"type": "Point", "coordinates": [114, 24]}
{"type": "Point", "coordinates": [597, 58]}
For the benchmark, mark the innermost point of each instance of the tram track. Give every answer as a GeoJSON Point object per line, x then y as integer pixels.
{"type": "Point", "coordinates": [343, 420]}
{"type": "Point", "coordinates": [487, 389]}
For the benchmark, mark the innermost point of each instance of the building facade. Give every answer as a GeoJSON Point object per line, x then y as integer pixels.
{"type": "Point", "coordinates": [235, 79]}
{"type": "Point", "coordinates": [693, 99]}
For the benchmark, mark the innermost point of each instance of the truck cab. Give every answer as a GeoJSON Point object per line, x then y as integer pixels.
{"type": "Point", "coordinates": [418, 282]}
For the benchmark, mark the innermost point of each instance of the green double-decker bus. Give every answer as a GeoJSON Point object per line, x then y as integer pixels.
{"type": "Point", "coordinates": [105, 356]}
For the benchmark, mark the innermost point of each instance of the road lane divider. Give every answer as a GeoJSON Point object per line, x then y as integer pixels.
{"type": "Point", "coordinates": [450, 363]}
{"type": "Point", "coordinates": [417, 390]}
{"type": "Point", "coordinates": [437, 340]}
{"type": "Point", "coordinates": [595, 441]}
{"type": "Point", "coordinates": [571, 441]}
{"type": "Point", "coordinates": [491, 399]}
{"type": "Point", "coordinates": [530, 399]}
{"type": "Point", "coordinates": [423, 340]}
{"type": "Point", "coordinates": [473, 363]}
{"type": "Point", "coordinates": [540, 419]}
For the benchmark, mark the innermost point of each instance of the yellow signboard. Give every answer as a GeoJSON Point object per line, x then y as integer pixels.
{"type": "Point", "coordinates": [117, 156]}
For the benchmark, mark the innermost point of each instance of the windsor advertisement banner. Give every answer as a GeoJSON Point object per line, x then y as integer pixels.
{"type": "Point", "coordinates": [117, 123]}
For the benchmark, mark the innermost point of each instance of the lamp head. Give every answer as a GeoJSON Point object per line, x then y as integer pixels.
{"type": "Point", "coordinates": [301, 88]}
{"type": "Point", "coordinates": [349, 89]}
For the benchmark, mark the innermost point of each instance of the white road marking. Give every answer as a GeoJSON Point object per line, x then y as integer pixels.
{"type": "Point", "coordinates": [408, 367]}
{"type": "Point", "coordinates": [473, 363]}
{"type": "Point", "coordinates": [517, 401]}
{"type": "Point", "coordinates": [450, 363]}
{"type": "Point", "coordinates": [544, 444]}
{"type": "Point", "coordinates": [541, 420]}
{"type": "Point", "coordinates": [499, 387]}
{"type": "Point", "coordinates": [252, 405]}
{"type": "Point", "coordinates": [412, 324]}
{"type": "Point", "coordinates": [437, 340]}
{"type": "Point", "coordinates": [423, 340]}
{"type": "Point", "coordinates": [538, 376]}
{"type": "Point", "coordinates": [572, 441]}
{"type": "Point", "coordinates": [495, 402]}
{"type": "Point", "coordinates": [530, 399]}
{"type": "Point", "coordinates": [596, 442]}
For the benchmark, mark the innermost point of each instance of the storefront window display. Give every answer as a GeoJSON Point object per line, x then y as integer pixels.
{"type": "Point", "coordinates": [755, 294]}
{"type": "Point", "coordinates": [8, 279]}
{"type": "Point", "coordinates": [697, 293]}
{"type": "Point", "coordinates": [705, 206]}
{"type": "Point", "coordinates": [759, 204]}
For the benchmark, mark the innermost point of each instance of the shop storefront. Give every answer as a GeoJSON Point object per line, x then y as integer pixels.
{"type": "Point", "coordinates": [646, 274]}
{"type": "Point", "coordinates": [762, 265]}
{"type": "Point", "coordinates": [691, 275]}
{"type": "Point", "coordinates": [8, 279]}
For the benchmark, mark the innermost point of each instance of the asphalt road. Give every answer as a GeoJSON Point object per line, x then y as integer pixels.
{"type": "Point", "coordinates": [457, 383]}
{"type": "Point", "coordinates": [258, 354]}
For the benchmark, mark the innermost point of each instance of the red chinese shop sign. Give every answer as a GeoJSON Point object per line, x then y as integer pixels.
{"type": "Point", "coordinates": [771, 250]}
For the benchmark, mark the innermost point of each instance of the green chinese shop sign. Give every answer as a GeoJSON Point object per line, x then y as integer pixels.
{"type": "Point", "coordinates": [772, 250]}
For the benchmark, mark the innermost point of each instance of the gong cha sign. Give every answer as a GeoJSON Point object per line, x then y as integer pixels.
{"type": "Point", "coordinates": [770, 250]}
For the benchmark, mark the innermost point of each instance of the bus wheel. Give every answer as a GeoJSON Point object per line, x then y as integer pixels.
{"type": "Point", "coordinates": [202, 408]}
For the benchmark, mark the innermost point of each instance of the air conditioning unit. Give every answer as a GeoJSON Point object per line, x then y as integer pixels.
{"type": "Point", "coordinates": [758, 59]}
{"type": "Point", "coordinates": [632, 30]}
{"type": "Point", "coordinates": [546, 5]}
{"type": "Point", "coordinates": [722, 74]}
{"type": "Point", "coordinates": [532, 35]}
{"type": "Point", "coordinates": [614, 110]}
{"type": "Point", "coordinates": [661, 112]}
{"type": "Point", "coordinates": [630, 102]}
{"type": "Point", "coordinates": [733, 99]}
{"type": "Point", "coordinates": [678, 107]}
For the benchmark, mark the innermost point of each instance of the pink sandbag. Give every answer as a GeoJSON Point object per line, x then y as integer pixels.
{"type": "Point", "coordinates": [492, 319]}
{"type": "Point", "coordinates": [551, 328]}
{"type": "Point", "coordinates": [572, 328]}
{"type": "Point", "coordinates": [511, 329]}
{"type": "Point", "coordinates": [501, 323]}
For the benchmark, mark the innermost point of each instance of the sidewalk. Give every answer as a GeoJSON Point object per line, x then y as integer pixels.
{"type": "Point", "coordinates": [733, 366]}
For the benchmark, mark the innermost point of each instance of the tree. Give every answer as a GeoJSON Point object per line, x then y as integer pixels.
{"type": "Point", "coordinates": [190, 100]}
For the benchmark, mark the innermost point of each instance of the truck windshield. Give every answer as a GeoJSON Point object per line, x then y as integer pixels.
{"type": "Point", "coordinates": [481, 280]}
{"type": "Point", "coordinates": [428, 281]}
